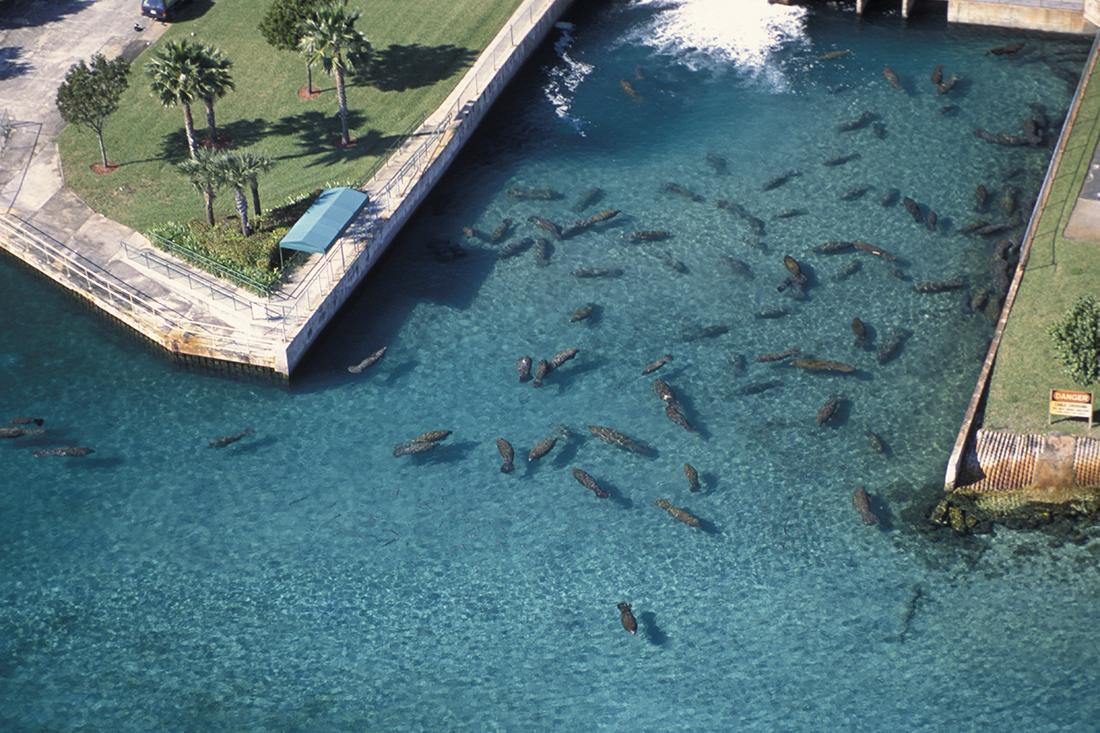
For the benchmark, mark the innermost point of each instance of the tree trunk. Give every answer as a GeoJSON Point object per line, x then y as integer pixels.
{"type": "Point", "coordinates": [242, 210]}
{"type": "Point", "coordinates": [208, 202]}
{"type": "Point", "coordinates": [211, 129]}
{"type": "Point", "coordinates": [189, 128]}
{"type": "Point", "coordinates": [309, 77]}
{"type": "Point", "coordinates": [255, 186]}
{"type": "Point", "coordinates": [342, 100]}
{"type": "Point", "coordinates": [102, 149]}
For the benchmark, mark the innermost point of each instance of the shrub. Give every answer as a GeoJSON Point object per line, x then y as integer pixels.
{"type": "Point", "coordinates": [1077, 341]}
{"type": "Point", "coordinates": [251, 262]}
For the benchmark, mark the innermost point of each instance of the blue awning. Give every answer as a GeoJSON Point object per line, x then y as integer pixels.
{"type": "Point", "coordinates": [326, 218]}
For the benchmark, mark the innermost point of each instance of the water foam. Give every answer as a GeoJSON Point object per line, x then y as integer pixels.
{"type": "Point", "coordinates": [565, 77]}
{"type": "Point", "coordinates": [715, 33]}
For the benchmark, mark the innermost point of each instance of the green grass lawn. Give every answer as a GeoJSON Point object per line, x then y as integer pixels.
{"type": "Point", "coordinates": [421, 49]}
{"type": "Point", "coordinates": [1058, 273]}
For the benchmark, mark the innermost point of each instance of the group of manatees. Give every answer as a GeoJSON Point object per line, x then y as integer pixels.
{"type": "Point", "coordinates": [25, 426]}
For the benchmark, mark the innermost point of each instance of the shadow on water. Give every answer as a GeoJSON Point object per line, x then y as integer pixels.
{"type": "Point", "coordinates": [397, 68]}
{"type": "Point", "coordinates": [708, 482]}
{"type": "Point", "coordinates": [568, 453]}
{"type": "Point", "coordinates": [10, 65]}
{"type": "Point", "coordinates": [616, 496]}
{"type": "Point", "coordinates": [252, 446]}
{"type": "Point", "coordinates": [91, 464]}
{"type": "Point", "coordinates": [882, 510]}
{"type": "Point", "coordinates": [564, 376]}
{"type": "Point", "coordinates": [654, 634]}
{"type": "Point", "coordinates": [446, 453]}
{"type": "Point", "coordinates": [30, 13]}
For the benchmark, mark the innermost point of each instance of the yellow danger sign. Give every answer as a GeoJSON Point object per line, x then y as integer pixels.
{"type": "Point", "coordinates": [1069, 403]}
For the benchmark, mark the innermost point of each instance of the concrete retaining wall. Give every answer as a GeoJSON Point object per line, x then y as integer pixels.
{"type": "Point", "coordinates": [453, 140]}
{"type": "Point", "coordinates": [1060, 16]}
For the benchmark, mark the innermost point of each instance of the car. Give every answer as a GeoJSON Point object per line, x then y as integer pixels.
{"type": "Point", "coordinates": [160, 9]}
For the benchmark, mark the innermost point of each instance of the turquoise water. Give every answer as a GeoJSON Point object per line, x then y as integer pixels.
{"type": "Point", "coordinates": [305, 579]}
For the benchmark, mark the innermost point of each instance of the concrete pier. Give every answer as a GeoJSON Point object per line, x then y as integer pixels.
{"type": "Point", "coordinates": [1060, 16]}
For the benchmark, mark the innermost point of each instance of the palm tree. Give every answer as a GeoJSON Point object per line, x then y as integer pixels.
{"type": "Point", "coordinates": [239, 170]}
{"type": "Point", "coordinates": [175, 76]}
{"type": "Point", "coordinates": [214, 83]}
{"type": "Point", "coordinates": [255, 164]}
{"type": "Point", "coordinates": [329, 37]}
{"type": "Point", "coordinates": [205, 175]}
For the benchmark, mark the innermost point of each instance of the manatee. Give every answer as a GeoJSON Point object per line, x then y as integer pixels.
{"type": "Point", "coordinates": [541, 370]}
{"type": "Point", "coordinates": [861, 500]}
{"type": "Point", "coordinates": [230, 439]}
{"type": "Point", "coordinates": [892, 77]}
{"type": "Point", "coordinates": [979, 299]}
{"type": "Point", "coordinates": [501, 232]}
{"type": "Point", "coordinates": [546, 224]}
{"type": "Point", "coordinates": [596, 272]}
{"type": "Point", "coordinates": [541, 448]}
{"type": "Point", "coordinates": [940, 286]}
{"type": "Point", "coordinates": [736, 266]}
{"type": "Point", "coordinates": [516, 248]}
{"type": "Point", "coordinates": [432, 436]}
{"type": "Point", "coordinates": [582, 313]}
{"type": "Point", "coordinates": [981, 197]}
{"type": "Point", "coordinates": [879, 129]}
{"type": "Point", "coordinates": [507, 454]}
{"type": "Point", "coordinates": [718, 164]}
{"type": "Point", "coordinates": [849, 269]}
{"type": "Point", "coordinates": [16, 432]}
{"type": "Point", "coordinates": [890, 198]}
{"type": "Point", "coordinates": [758, 387]}
{"type": "Point", "coordinates": [854, 194]}
{"type": "Point", "coordinates": [1001, 138]}
{"type": "Point", "coordinates": [1007, 50]}
{"type": "Point", "coordinates": [832, 55]}
{"type": "Point", "coordinates": [797, 278]}
{"type": "Point", "coordinates": [662, 389]}
{"type": "Point", "coordinates": [834, 247]}
{"type": "Point", "coordinates": [776, 356]}
{"type": "Point", "coordinates": [626, 618]}
{"type": "Point", "coordinates": [692, 477]}
{"type": "Point", "coordinates": [874, 250]}
{"type": "Point", "coordinates": [790, 213]}
{"type": "Point", "coordinates": [674, 264]}
{"type": "Point", "coordinates": [858, 123]}
{"type": "Point", "coordinates": [523, 366]}
{"type": "Point", "coordinates": [73, 451]}
{"type": "Point", "coordinates": [584, 225]}
{"type": "Point", "coordinates": [411, 447]}
{"type": "Point", "coordinates": [913, 208]}
{"type": "Point", "coordinates": [859, 328]}
{"type": "Point", "coordinates": [648, 235]}
{"type": "Point", "coordinates": [543, 251]}
{"type": "Point", "coordinates": [589, 483]}
{"type": "Point", "coordinates": [937, 75]}
{"type": "Point", "coordinates": [1009, 200]}
{"type": "Point", "coordinates": [973, 226]}
{"type": "Point", "coordinates": [24, 420]}
{"type": "Point", "coordinates": [586, 199]}
{"type": "Point", "coordinates": [471, 233]}
{"type": "Point", "coordinates": [778, 181]}
{"type": "Point", "coordinates": [737, 363]}
{"type": "Point", "coordinates": [522, 193]}
{"type": "Point", "coordinates": [620, 440]}
{"type": "Point", "coordinates": [822, 365]}
{"type": "Point", "coordinates": [891, 345]}
{"type": "Point", "coordinates": [931, 219]}
{"type": "Point", "coordinates": [948, 85]}
{"type": "Point", "coordinates": [876, 442]}
{"type": "Point", "coordinates": [990, 230]}
{"type": "Point", "coordinates": [676, 189]}
{"type": "Point", "coordinates": [949, 109]}
{"type": "Point", "coordinates": [842, 159]}
{"type": "Point", "coordinates": [654, 366]}
{"type": "Point", "coordinates": [675, 413]}
{"type": "Point", "coordinates": [561, 357]}
{"type": "Point", "coordinates": [828, 411]}
{"type": "Point", "coordinates": [680, 515]}
{"type": "Point", "coordinates": [630, 90]}
{"type": "Point", "coordinates": [368, 362]}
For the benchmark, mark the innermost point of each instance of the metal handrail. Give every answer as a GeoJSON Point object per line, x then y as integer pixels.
{"type": "Point", "coordinates": [152, 260]}
{"type": "Point", "coordinates": [230, 273]}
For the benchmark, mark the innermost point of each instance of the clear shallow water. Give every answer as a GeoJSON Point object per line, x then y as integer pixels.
{"type": "Point", "coordinates": [304, 579]}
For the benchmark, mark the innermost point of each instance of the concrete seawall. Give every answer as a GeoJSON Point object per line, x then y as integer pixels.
{"type": "Point", "coordinates": [1059, 16]}
{"type": "Point", "coordinates": [409, 176]}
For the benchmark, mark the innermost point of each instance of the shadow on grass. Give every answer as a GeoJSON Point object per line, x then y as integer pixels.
{"type": "Point", "coordinates": [10, 65]}
{"type": "Point", "coordinates": [316, 134]}
{"type": "Point", "coordinates": [186, 11]}
{"type": "Point", "coordinates": [240, 133]}
{"type": "Point", "coordinates": [397, 68]}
